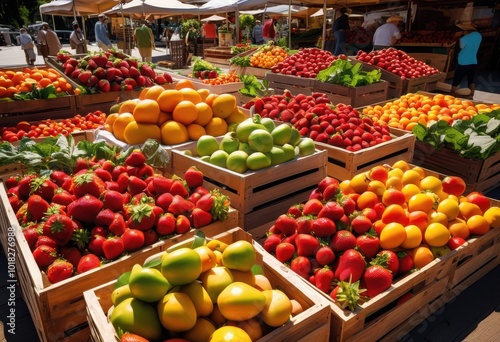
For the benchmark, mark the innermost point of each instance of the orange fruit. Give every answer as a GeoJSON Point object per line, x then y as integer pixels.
{"type": "Point", "coordinates": [110, 120]}
{"type": "Point", "coordinates": [137, 132]}
{"type": "Point", "coordinates": [168, 99]}
{"type": "Point", "coordinates": [147, 111]}
{"type": "Point", "coordinates": [192, 95]}
{"type": "Point", "coordinates": [210, 99]}
{"type": "Point", "coordinates": [3, 91]}
{"type": "Point", "coordinates": [153, 92]}
{"type": "Point", "coordinates": [216, 127]}
{"type": "Point", "coordinates": [185, 112]}
{"type": "Point", "coordinates": [184, 83]}
{"type": "Point", "coordinates": [128, 106]}
{"type": "Point", "coordinates": [195, 131]}
{"type": "Point", "coordinates": [223, 105]}
{"type": "Point", "coordinates": [173, 133]}
{"type": "Point", "coordinates": [163, 117]}
{"type": "Point", "coordinates": [205, 114]}
{"type": "Point", "coordinates": [204, 92]}
{"type": "Point", "coordinates": [478, 225]}
{"type": "Point", "coordinates": [44, 82]}
{"type": "Point", "coordinates": [120, 124]}
{"type": "Point", "coordinates": [236, 116]}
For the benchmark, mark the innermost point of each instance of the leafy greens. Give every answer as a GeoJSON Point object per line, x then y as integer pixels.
{"type": "Point", "coordinates": [344, 73]}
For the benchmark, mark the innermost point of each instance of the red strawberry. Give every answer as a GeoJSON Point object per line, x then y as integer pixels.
{"type": "Point", "coordinates": [59, 177]}
{"type": "Point", "coordinates": [376, 279]}
{"type": "Point", "coordinates": [312, 207]}
{"type": "Point", "coordinates": [323, 227]}
{"type": "Point", "coordinates": [104, 218]}
{"type": "Point", "coordinates": [323, 279]}
{"type": "Point", "coordinates": [117, 225]}
{"type": "Point", "coordinates": [87, 263]}
{"type": "Point", "coordinates": [150, 237]}
{"type": "Point", "coordinates": [295, 211]}
{"type": "Point", "coordinates": [325, 255]}
{"type": "Point", "coordinates": [164, 200]}
{"type": "Point", "coordinates": [342, 241]}
{"type": "Point", "coordinates": [103, 174]}
{"type": "Point", "coordinates": [387, 259]}
{"type": "Point", "coordinates": [347, 203]}
{"type": "Point", "coordinates": [285, 224]}
{"type": "Point", "coordinates": [200, 218]}
{"type": "Point", "coordinates": [113, 247]}
{"type": "Point", "coordinates": [59, 270]}
{"type": "Point", "coordinates": [182, 224]}
{"type": "Point", "coordinates": [193, 177]}
{"type": "Point", "coordinates": [162, 184]}
{"type": "Point", "coordinates": [166, 224]}
{"type": "Point", "coordinates": [360, 224]}
{"type": "Point", "coordinates": [304, 224]}
{"type": "Point", "coordinates": [128, 337]}
{"type": "Point", "coordinates": [104, 85]}
{"type": "Point", "coordinates": [332, 210]}
{"type": "Point", "coordinates": [95, 244]}
{"type": "Point", "coordinates": [46, 240]}
{"type": "Point", "coordinates": [97, 230]}
{"type": "Point", "coordinates": [368, 244]}
{"type": "Point", "coordinates": [271, 242]}
{"type": "Point", "coordinates": [136, 185]}
{"type": "Point", "coordinates": [72, 254]}
{"type": "Point", "coordinates": [85, 208]}
{"type": "Point", "coordinates": [180, 188]}
{"type": "Point", "coordinates": [350, 267]}
{"type": "Point", "coordinates": [347, 294]}
{"type": "Point", "coordinates": [62, 197]}
{"type": "Point", "coordinates": [285, 251]}
{"type": "Point", "coordinates": [141, 216]}
{"type": "Point", "coordinates": [37, 207]}
{"type": "Point", "coordinates": [83, 77]}
{"type": "Point", "coordinates": [406, 262]}
{"type": "Point", "coordinates": [330, 192]}
{"type": "Point", "coordinates": [316, 194]}
{"type": "Point", "coordinates": [87, 183]}
{"type": "Point", "coordinates": [59, 227]}
{"type": "Point", "coordinates": [307, 245]}
{"type": "Point", "coordinates": [326, 182]}
{"type": "Point", "coordinates": [44, 187]}
{"type": "Point", "coordinates": [81, 237]}
{"type": "Point", "coordinates": [180, 205]}
{"type": "Point", "coordinates": [132, 239]}
{"type": "Point", "coordinates": [14, 202]}
{"type": "Point", "coordinates": [44, 255]}
{"type": "Point", "coordinates": [113, 200]}
{"type": "Point", "coordinates": [136, 158]}
{"type": "Point", "coordinates": [302, 266]}
{"type": "Point", "coordinates": [31, 235]}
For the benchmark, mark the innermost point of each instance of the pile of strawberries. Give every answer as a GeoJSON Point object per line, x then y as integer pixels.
{"type": "Point", "coordinates": [73, 223]}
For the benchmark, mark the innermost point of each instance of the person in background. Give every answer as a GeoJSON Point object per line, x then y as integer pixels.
{"type": "Point", "coordinates": [268, 30]}
{"type": "Point", "coordinates": [77, 40]}
{"type": "Point", "coordinates": [27, 45]}
{"type": "Point", "coordinates": [467, 57]}
{"type": "Point", "coordinates": [388, 34]}
{"type": "Point", "coordinates": [49, 38]}
{"type": "Point", "coordinates": [209, 30]}
{"type": "Point", "coordinates": [340, 26]}
{"type": "Point", "coordinates": [145, 41]}
{"type": "Point", "coordinates": [257, 33]}
{"type": "Point", "coordinates": [101, 33]}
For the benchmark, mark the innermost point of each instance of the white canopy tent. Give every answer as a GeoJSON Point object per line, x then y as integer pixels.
{"type": "Point", "coordinates": [214, 17]}
{"type": "Point", "coordinates": [153, 7]}
{"type": "Point", "coordinates": [76, 7]}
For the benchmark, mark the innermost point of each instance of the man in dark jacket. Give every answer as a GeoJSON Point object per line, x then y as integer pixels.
{"type": "Point", "coordinates": [340, 26]}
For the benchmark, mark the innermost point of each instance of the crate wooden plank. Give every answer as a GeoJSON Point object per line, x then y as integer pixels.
{"type": "Point", "coordinates": [260, 73]}
{"type": "Point", "coordinates": [311, 324]}
{"type": "Point", "coordinates": [355, 96]}
{"type": "Point", "coordinates": [253, 189]}
{"type": "Point", "coordinates": [343, 164]}
{"type": "Point", "coordinates": [290, 80]}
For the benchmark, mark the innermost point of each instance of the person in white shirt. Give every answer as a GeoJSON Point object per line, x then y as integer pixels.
{"type": "Point", "coordinates": [388, 34]}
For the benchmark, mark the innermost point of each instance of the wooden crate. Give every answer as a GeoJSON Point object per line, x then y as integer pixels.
{"type": "Point", "coordinates": [58, 310]}
{"type": "Point", "coordinates": [253, 189]}
{"type": "Point", "coordinates": [218, 54]}
{"type": "Point", "coordinates": [435, 60]}
{"type": "Point", "coordinates": [479, 175]}
{"type": "Point", "coordinates": [296, 85]}
{"type": "Point", "coordinates": [310, 325]}
{"type": "Point", "coordinates": [87, 103]}
{"type": "Point", "coordinates": [260, 73]}
{"type": "Point", "coordinates": [343, 164]}
{"type": "Point", "coordinates": [354, 96]}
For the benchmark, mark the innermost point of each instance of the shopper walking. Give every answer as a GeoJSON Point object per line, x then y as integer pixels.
{"type": "Point", "coordinates": [27, 46]}
{"type": "Point", "coordinates": [77, 40]}
{"type": "Point", "coordinates": [388, 34]}
{"type": "Point", "coordinates": [257, 33]}
{"type": "Point", "coordinates": [48, 40]}
{"type": "Point", "coordinates": [467, 57]}
{"type": "Point", "coordinates": [145, 41]}
{"type": "Point", "coordinates": [268, 30]}
{"type": "Point", "coordinates": [101, 33]}
{"type": "Point", "coordinates": [340, 26]}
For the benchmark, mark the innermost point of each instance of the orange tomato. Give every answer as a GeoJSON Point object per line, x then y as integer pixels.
{"type": "Point", "coordinates": [392, 235]}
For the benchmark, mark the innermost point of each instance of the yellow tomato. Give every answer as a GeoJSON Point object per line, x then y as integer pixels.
{"type": "Point", "coordinates": [230, 334]}
{"type": "Point", "coordinates": [422, 256]}
{"type": "Point", "coordinates": [413, 237]}
{"type": "Point", "coordinates": [392, 235]}
{"type": "Point", "coordinates": [449, 207]}
{"type": "Point", "coordinates": [437, 235]}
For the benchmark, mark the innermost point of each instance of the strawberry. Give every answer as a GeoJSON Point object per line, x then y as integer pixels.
{"type": "Point", "coordinates": [59, 227]}
{"type": "Point", "coordinates": [81, 237]}
{"type": "Point", "coordinates": [117, 225]}
{"type": "Point", "coordinates": [59, 270]}
{"type": "Point", "coordinates": [166, 224]}
{"type": "Point", "coordinates": [271, 242]}
{"type": "Point", "coordinates": [100, 60]}
{"type": "Point", "coordinates": [147, 70]}
{"type": "Point", "coordinates": [31, 235]}
{"type": "Point", "coordinates": [307, 245]}
{"type": "Point", "coordinates": [87, 263]}
{"type": "Point", "coordinates": [312, 207]}
{"type": "Point", "coordinates": [406, 263]}
{"type": "Point", "coordinates": [103, 174]}
{"type": "Point", "coordinates": [87, 183]}
{"type": "Point", "coordinates": [368, 244]}
{"type": "Point", "coordinates": [347, 294]}
{"type": "Point", "coordinates": [360, 224]}
{"type": "Point", "coordinates": [342, 241]}
{"type": "Point", "coordinates": [330, 192]}
{"type": "Point", "coordinates": [326, 182]}
{"type": "Point", "coordinates": [332, 210]}
{"type": "Point", "coordinates": [162, 184]}
{"type": "Point", "coordinates": [36, 207]}
{"type": "Point", "coordinates": [44, 187]}
{"type": "Point", "coordinates": [216, 203]}
{"type": "Point", "coordinates": [387, 259]}
{"type": "Point", "coordinates": [304, 224]}
{"type": "Point", "coordinates": [97, 230]}
{"type": "Point", "coordinates": [141, 216]}
{"type": "Point", "coordinates": [325, 256]}
{"type": "Point", "coordinates": [104, 218]}
{"type": "Point", "coordinates": [200, 218]}
{"type": "Point", "coordinates": [179, 187]}
{"type": "Point", "coordinates": [113, 247]}
{"type": "Point", "coordinates": [150, 237]}
{"type": "Point", "coordinates": [136, 185]}
{"type": "Point", "coordinates": [350, 267]}
{"type": "Point", "coordinates": [113, 200]}
{"type": "Point", "coordinates": [285, 251]}
{"type": "Point", "coordinates": [15, 202]}
{"type": "Point", "coordinates": [323, 227]}
{"type": "Point", "coordinates": [164, 200]}
{"type": "Point", "coordinates": [182, 224]}
{"type": "Point", "coordinates": [295, 211]}
{"type": "Point", "coordinates": [83, 77]}
{"type": "Point", "coordinates": [85, 208]}
{"type": "Point", "coordinates": [301, 265]}
{"type": "Point", "coordinates": [136, 158]}
{"type": "Point", "coordinates": [59, 177]}
{"type": "Point", "coordinates": [285, 224]}
{"type": "Point", "coordinates": [180, 205]}
{"type": "Point", "coordinates": [193, 177]}
{"type": "Point", "coordinates": [129, 337]}
{"type": "Point", "coordinates": [71, 254]}
{"type": "Point", "coordinates": [316, 194]}
{"type": "Point", "coordinates": [46, 240]}
{"type": "Point", "coordinates": [132, 239]}
{"type": "Point", "coordinates": [62, 197]}
{"type": "Point", "coordinates": [347, 203]}
{"type": "Point", "coordinates": [44, 255]}
{"type": "Point", "coordinates": [95, 245]}
{"type": "Point", "coordinates": [323, 279]}
{"type": "Point", "coordinates": [376, 279]}
{"type": "Point", "coordinates": [133, 72]}
{"type": "Point", "coordinates": [100, 73]}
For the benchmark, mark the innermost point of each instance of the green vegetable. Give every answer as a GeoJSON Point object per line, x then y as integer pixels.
{"type": "Point", "coordinates": [344, 73]}
{"type": "Point", "coordinates": [202, 65]}
{"type": "Point", "coordinates": [252, 86]}
{"type": "Point", "coordinates": [48, 92]}
{"type": "Point", "coordinates": [240, 61]}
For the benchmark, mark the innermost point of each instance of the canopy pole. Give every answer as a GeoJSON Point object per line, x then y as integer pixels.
{"type": "Point", "coordinates": [53, 22]}
{"type": "Point", "coordinates": [324, 26]}
{"type": "Point", "coordinates": [74, 11]}
{"type": "Point", "coordinates": [290, 24]}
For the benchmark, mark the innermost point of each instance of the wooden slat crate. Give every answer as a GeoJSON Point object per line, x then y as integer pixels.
{"type": "Point", "coordinates": [218, 54]}
{"type": "Point", "coordinates": [310, 325]}
{"type": "Point", "coordinates": [354, 96]}
{"type": "Point", "coordinates": [296, 85]}
{"type": "Point", "coordinates": [58, 310]}
{"type": "Point", "coordinates": [87, 103]}
{"type": "Point", "coordinates": [479, 175]}
{"type": "Point", "coordinates": [343, 164]}
{"type": "Point", "coordinates": [260, 73]}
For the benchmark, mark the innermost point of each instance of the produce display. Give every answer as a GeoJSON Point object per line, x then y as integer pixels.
{"type": "Point", "coordinates": [209, 291]}
{"type": "Point", "coordinates": [476, 138]}
{"type": "Point", "coordinates": [437, 37]}
{"type": "Point", "coordinates": [315, 117]}
{"type": "Point", "coordinates": [398, 62]}
{"type": "Point", "coordinates": [411, 109]}
{"type": "Point", "coordinates": [344, 73]}
{"type": "Point", "coordinates": [52, 128]}
{"type": "Point", "coordinates": [255, 143]}
{"type": "Point", "coordinates": [267, 56]}
{"type": "Point", "coordinates": [308, 62]}
{"type": "Point", "coordinates": [359, 35]}
{"type": "Point", "coordinates": [110, 71]}
{"type": "Point", "coordinates": [173, 116]}
{"type": "Point", "coordinates": [33, 83]}
{"type": "Point", "coordinates": [103, 207]}
{"type": "Point", "coordinates": [241, 47]}
{"type": "Point", "coordinates": [354, 238]}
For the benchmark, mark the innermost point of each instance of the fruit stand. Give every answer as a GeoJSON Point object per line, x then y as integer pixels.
{"type": "Point", "coordinates": [173, 171]}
